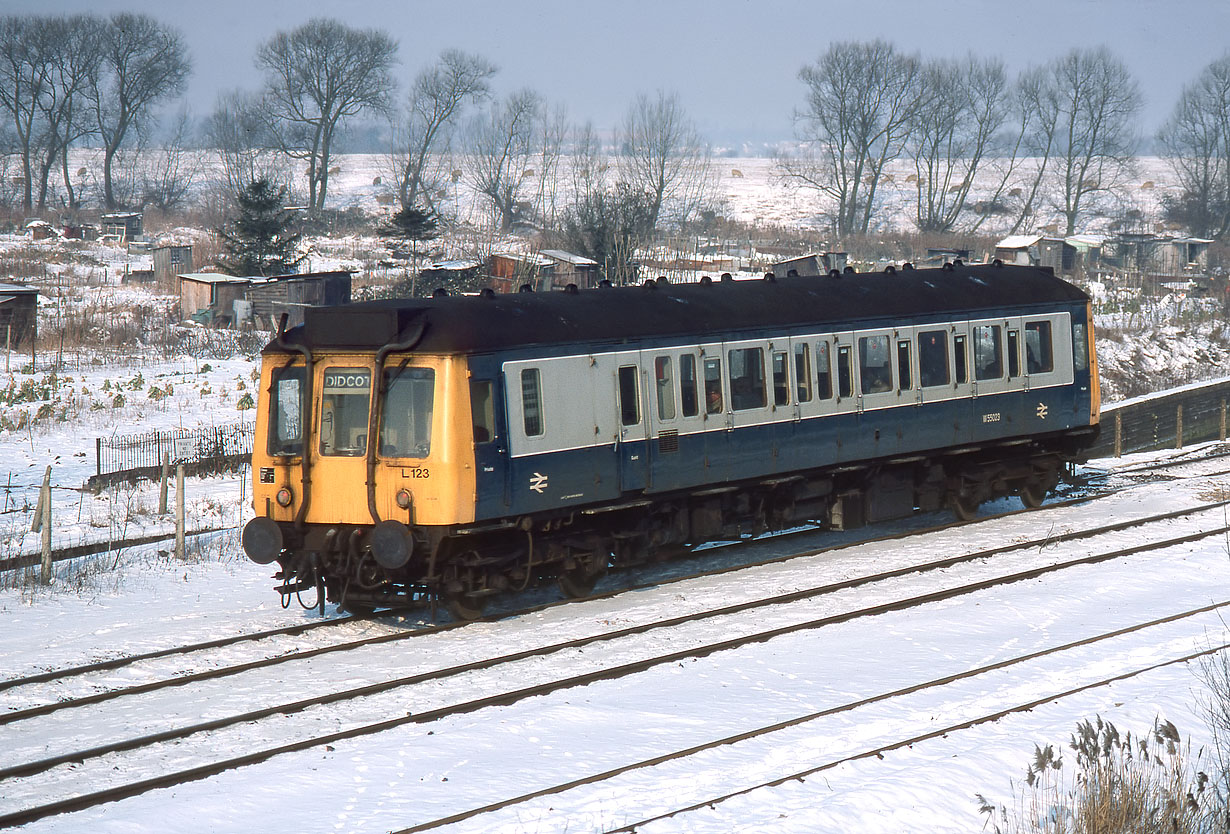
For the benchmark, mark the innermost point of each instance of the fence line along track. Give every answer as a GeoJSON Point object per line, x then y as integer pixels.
{"type": "Point", "coordinates": [77, 551]}
{"type": "Point", "coordinates": [87, 800]}
{"type": "Point", "coordinates": [824, 713]}
{"type": "Point", "coordinates": [736, 608]}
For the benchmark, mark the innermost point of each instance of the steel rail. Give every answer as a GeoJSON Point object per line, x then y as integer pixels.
{"type": "Point", "coordinates": [87, 800]}
{"type": "Point", "coordinates": [812, 716]}
{"type": "Point", "coordinates": [802, 775]}
{"type": "Point", "coordinates": [793, 596]}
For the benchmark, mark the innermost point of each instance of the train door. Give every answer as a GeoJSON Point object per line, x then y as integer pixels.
{"type": "Point", "coordinates": [876, 391]}
{"type": "Point", "coordinates": [339, 453]}
{"type": "Point", "coordinates": [989, 355]}
{"type": "Point", "coordinates": [632, 444]}
{"type": "Point", "coordinates": [718, 418]}
{"type": "Point", "coordinates": [673, 413]}
{"type": "Point", "coordinates": [490, 444]}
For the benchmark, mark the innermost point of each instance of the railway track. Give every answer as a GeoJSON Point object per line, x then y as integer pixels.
{"type": "Point", "coordinates": [278, 655]}
{"type": "Point", "coordinates": [895, 744]}
{"type": "Point", "coordinates": [655, 579]}
{"type": "Point", "coordinates": [568, 650]}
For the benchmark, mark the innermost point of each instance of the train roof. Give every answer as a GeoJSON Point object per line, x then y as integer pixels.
{"type": "Point", "coordinates": [470, 324]}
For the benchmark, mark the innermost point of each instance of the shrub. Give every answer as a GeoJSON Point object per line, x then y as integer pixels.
{"type": "Point", "coordinates": [1118, 785]}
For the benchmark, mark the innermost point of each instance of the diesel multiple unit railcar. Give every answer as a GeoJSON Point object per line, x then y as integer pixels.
{"type": "Point", "coordinates": [453, 448]}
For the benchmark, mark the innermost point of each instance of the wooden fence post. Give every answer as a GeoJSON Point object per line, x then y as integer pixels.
{"type": "Point", "coordinates": [1118, 433]}
{"type": "Point", "coordinates": [1222, 434]}
{"type": "Point", "coordinates": [1178, 426]}
{"type": "Point", "coordinates": [162, 491]}
{"type": "Point", "coordinates": [179, 511]}
{"type": "Point", "coordinates": [43, 519]}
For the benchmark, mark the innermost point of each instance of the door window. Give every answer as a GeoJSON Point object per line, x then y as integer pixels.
{"type": "Point", "coordinates": [344, 404]}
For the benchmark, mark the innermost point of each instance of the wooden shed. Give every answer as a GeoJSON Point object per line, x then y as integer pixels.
{"type": "Point", "coordinates": [510, 270]}
{"type": "Point", "coordinates": [290, 294]}
{"type": "Point", "coordinates": [572, 269]}
{"type": "Point", "coordinates": [209, 297]}
{"type": "Point", "coordinates": [171, 259]}
{"type": "Point", "coordinates": [124, 226]}
{"type": "Point", "coordinates": [18, 316]}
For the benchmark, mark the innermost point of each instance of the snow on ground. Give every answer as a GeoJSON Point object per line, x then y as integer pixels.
{"type": "Point", "coordinates": [418, 773]}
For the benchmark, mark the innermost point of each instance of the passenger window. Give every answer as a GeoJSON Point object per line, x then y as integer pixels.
{"type": "Point", "coordinates": [988, 352]}
{"type": "Point", "coordinates": [959, 357]}
{"type": "Point", "coordinates": [1080, 347]}
{"type": "Point", "coordinates": [875, 375]}
{"type": "Point", "coordinates": [531, 402]}
{"type": "Point", "coordinates": [802, 373]}
{"type": "Point", "coordinates": [344, 405]}
{"type": "Point", "coordinates": [905, 383]}
{"type": "Point", "coordinates": [1014, 354]}
{"type": "Point", "coordinates": [932, 358]}
{"type": "Point", "coordinates": [746, 378]}
{"type": "Point", "coordinates": [713, 386]}
{"type": "Point", "coordinates": [824, 379]}
{"type": "Point", "coordinates": [781, 379]}
{"type": "Point", "coordinates": [1039, 358]}
{"type": "Point", "coordinates": [687, 385]}
{"type": "Point", "coordinates": [405, 417]}
{"type": "Point", "coordinates": [482, 409]}
{"type": "Point", "coordinates": [664, 382]}
{"type": "Point", "coordinates": [629, 395]}
{"type": "Point", "coordinates": [286, 412]}
{"type": "Point", "coordinates": [845, 383]}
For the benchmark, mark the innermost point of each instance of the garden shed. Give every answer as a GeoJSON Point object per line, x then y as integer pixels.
{"type": "Point", "coordinates": [18, 316]}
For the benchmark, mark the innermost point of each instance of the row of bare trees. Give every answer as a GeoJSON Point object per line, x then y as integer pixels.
{"type": "Point", "coordinates": [1056, 139]}
{"type": "Point", "coordinates": [1062, 133]}
{"type": "Point", "coordinates": [66, 78]}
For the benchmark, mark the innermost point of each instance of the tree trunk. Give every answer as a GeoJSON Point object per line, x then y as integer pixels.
{"type": "Point", "coordinates": [108, 190]}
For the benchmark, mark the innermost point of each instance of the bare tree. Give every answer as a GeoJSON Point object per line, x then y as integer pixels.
{"type": "Point", "coordinates": [963, 108]}
{"type": "Point", "coordinates": [1197, 144]}
{"type": "Point", "coordinates": [552, 136]}
{"type": "Point", "coordinates": [144, 62]}
{"type": "Point", "coordinates": [240, 133]}
{"type": "Point", "coordinates": [862, 100]}
{"type": "Point", "coordinates": [501, 147]}
{"type": "Point", "coordinates": [169, 175]}
{"type": "Point", "coordinates": [318, 76]}
{"type": "Point", "coordinates": [26, 66]}
{"type": "Point", "coordinates": [662, 154]}
{"type": "Point", "coordinates": [1087, 102]}
{"type": "Point", "coordinates": [589, 162]}
{"type": "Point", "coordinates": [73, 46]}
{"type": "Point", "coordinates": [438, 96]}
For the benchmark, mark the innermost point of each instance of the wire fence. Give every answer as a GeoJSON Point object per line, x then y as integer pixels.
{"type": "Point", "coordinates": [204, 450]}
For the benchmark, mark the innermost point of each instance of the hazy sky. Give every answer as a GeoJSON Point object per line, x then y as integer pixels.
{"type": "Point", "coordinates": [734, 63]}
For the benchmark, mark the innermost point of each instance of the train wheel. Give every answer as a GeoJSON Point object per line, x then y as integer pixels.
{"type": "Point", "coordinates": [579, 582]}
{"type": "Point", "coordinates": [964, 507]}
{"type": "Point", "coordinates": [1033, 494]}
{"type": "Point", "coordinates": [465, 607]}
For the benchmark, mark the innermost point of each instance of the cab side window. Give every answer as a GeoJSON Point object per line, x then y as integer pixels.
{"type": "Point", "coordinates": [482, 410]}
{"type": "Point", "coordinates": [1039, 357]}
{"type": "Point", "coordinates": [531, 402]}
